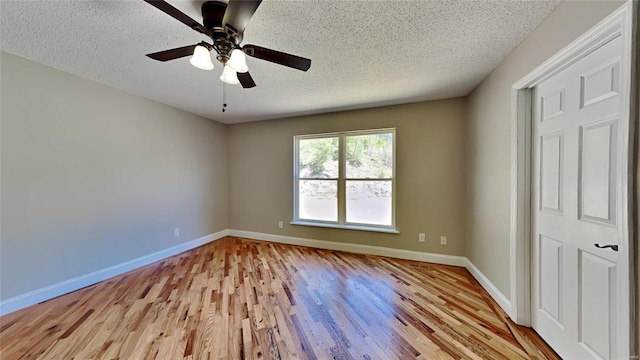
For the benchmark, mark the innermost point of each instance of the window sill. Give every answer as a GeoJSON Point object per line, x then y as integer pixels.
{"type": "Point", "coordinates": [347, 227]}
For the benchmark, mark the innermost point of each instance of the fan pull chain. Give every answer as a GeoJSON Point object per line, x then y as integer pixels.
{"type": "Point", "coordinates": [224, 96]}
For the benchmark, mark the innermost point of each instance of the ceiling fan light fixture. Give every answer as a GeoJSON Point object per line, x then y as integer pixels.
{"type": "Point", "coordinates": [229, 76]}
{"type": "Point", "coordinates": [238, 61]}
{"type": "Point", "coordinates": [201, 58]}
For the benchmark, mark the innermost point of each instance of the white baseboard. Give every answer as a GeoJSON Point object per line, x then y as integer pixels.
{"type": "Point", "coordinates": [355, 248]}
{"type": "Point", "coordinates": [67, 286]}
{"type": "Point", "coordinates": [39, 295]}
{"type": "Point", "coordinates": [496, 294]}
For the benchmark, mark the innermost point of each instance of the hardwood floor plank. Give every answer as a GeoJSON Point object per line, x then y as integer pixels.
{"type": "Point", "coordinates": [246, 299]}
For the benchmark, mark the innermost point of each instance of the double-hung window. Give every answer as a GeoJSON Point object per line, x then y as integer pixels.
{"type": "Point", "coordinates": [345, 180]}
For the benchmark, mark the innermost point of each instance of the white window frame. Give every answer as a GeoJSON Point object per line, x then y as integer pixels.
{"type": "Point", "coordinates": [342, 223]}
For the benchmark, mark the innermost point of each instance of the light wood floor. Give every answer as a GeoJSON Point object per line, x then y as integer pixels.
{"type": "Point", "coordinates": [238, 298]}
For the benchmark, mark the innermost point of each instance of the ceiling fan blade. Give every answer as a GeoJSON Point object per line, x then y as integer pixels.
{"type": "Point", "coordinates": [173, 53]}
{"type": "Point", "coordinates": [246, 80]}
{"type": "Point", "coordinates": [178, 15]}
{"type": "Point", "coordinates": [238, 14]}
{"type": "Point", "coordinates": [277, 57]}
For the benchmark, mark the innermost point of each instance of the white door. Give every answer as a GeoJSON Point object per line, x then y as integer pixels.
{"type": "Point", "coordinates": [576, 151]}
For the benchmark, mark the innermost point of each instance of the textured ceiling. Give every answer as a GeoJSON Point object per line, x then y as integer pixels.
{"type": "Point", "coordinates": [364, 53]}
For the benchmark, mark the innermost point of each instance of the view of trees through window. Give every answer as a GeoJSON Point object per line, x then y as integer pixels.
{"type": "Point", "coordinates": [318, 159]}
{"type": "Point", "coordinates": [367, 175]}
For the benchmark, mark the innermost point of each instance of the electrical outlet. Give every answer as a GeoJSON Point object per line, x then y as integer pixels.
{"type": "Point", "coordinates": [176, 232]}
{"type": "Point", "coordinates": [421, 237]}
{"type": "Point", "coordinates": [280, 224]}
{"type": "Point", "coordinates": [443, 240]}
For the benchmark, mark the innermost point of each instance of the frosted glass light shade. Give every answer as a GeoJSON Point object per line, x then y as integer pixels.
{"type": "Point", "coordinates": [201, 58]}
{"type": "Point", "coordinates": [229, 76]}
{"type": "Point", "coordinates": [238, 61]}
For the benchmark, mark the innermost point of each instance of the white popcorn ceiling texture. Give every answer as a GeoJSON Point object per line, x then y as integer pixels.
{"type": "Point", "coordinates": [364, 53]}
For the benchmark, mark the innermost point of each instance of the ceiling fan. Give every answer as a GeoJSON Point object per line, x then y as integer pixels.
{"type": "Point", "coordinates": [224, 24]}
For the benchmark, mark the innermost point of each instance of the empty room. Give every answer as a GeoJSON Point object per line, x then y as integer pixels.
{"type": "Point", "coordinates": [331, 179]}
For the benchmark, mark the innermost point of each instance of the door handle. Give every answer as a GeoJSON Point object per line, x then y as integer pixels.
{"type": "Point", "coordinates": [613, 247]}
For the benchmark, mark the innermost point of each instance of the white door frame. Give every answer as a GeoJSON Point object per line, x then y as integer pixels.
{"type": "Point", "coordinates": [621, 22]}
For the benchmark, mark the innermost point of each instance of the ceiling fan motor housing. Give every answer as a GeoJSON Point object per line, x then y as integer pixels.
{"type": "Point", "coordinates": [223, 41]}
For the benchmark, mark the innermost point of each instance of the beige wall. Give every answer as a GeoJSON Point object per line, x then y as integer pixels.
{"type": "Point", "coordinates": [430, 172]}
{"type": "Point", "coordinates": [488, 135]}
{"type": "Point", "coordinates": [93, 176]}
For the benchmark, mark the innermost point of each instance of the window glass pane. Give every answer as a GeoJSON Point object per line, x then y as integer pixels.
{"type": "Point", "coordinates": [318, 200]}
{"type": "Point", "coordinates": [369, 156]}
{"type": "Point", "coordinates": [369, 202]}
{"type": "Point", "coordinates": [318, 158]}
